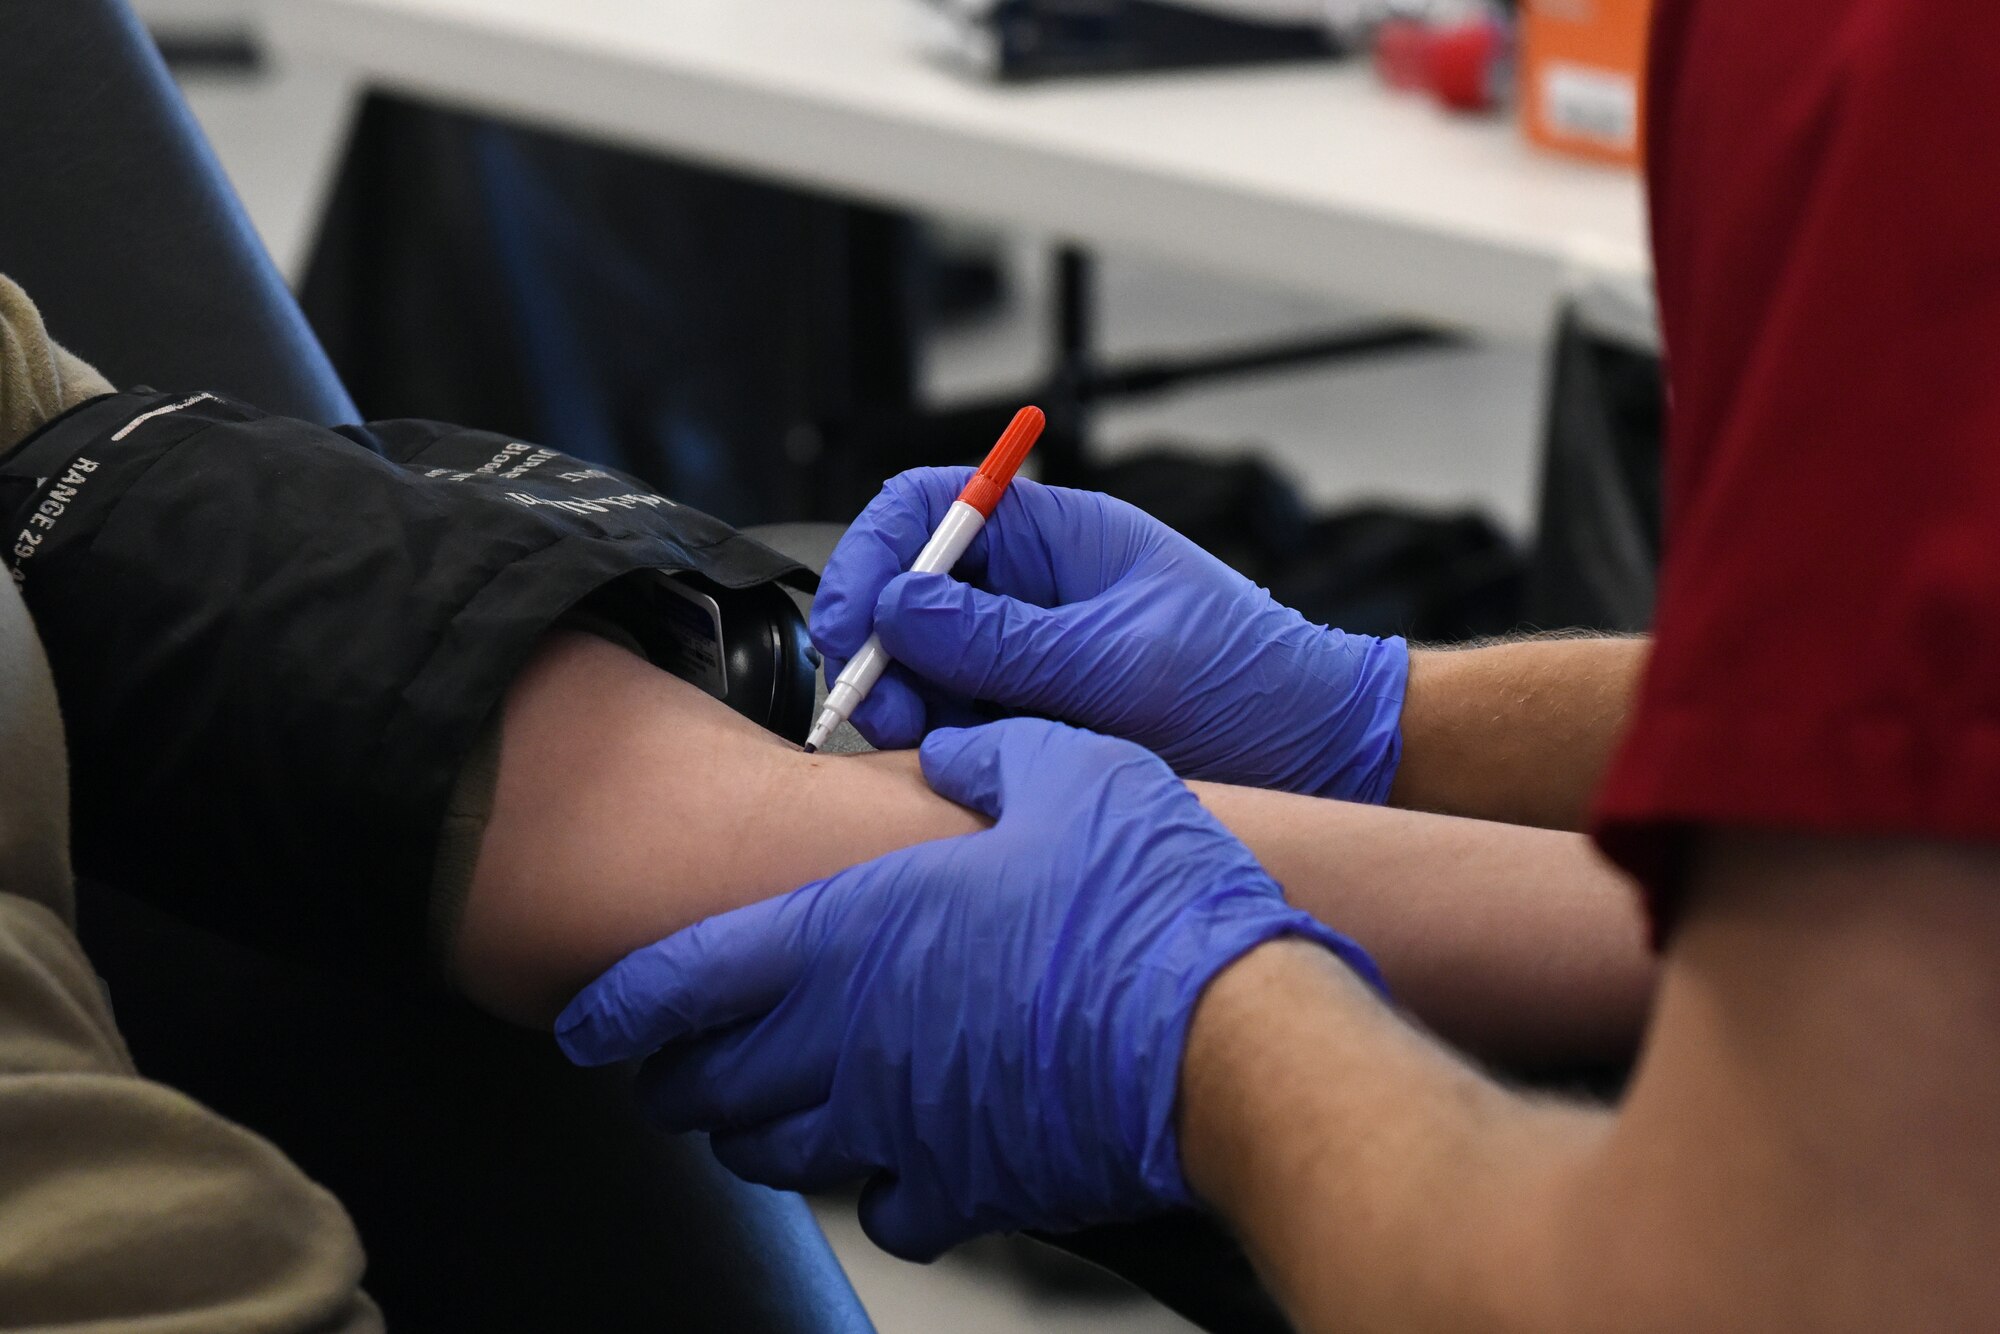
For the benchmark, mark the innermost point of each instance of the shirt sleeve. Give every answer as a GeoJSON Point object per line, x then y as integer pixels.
{"type": "Point", "coordinates": [1827, 232]}
{"type": "Point", "coordinates": [126, 1206]}
{"type": "Point", "coordinates": [39, 378]}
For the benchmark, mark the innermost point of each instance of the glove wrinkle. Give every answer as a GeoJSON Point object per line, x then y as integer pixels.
{"type": "Point", "coordinates": [1082, 608]}
{"type": "Point", "coordinates": [989, 1027]}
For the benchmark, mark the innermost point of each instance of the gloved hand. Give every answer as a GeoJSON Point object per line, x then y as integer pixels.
{"type": "Point", "coordinates": [1082, 608]}
{"type": "Point", "coordinates": [990, 1028]}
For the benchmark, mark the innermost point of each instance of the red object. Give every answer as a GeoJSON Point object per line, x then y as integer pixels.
{"type": "Point", "coordinates": [1402, 53]}
{"type": "Point", "coordinates": [1828, 241]}
{"type": "Point", "coordinates": [1463, 65]}
{"type": "Point", "coordinates": [1467, 64]}
{"type": "Point", "coordinates": [987, 485]}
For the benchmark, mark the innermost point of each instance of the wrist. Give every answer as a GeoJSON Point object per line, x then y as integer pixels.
{"type": "Point", "coordinates": [1244, 1047]}
{"type": "Point", "coordinates": [1257, 962]}
{"type": "Point", "coordinates": [1365, 682]}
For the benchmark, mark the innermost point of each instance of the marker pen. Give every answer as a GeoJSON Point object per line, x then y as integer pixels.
{"type": "Point", "coordinates": [962, 522]}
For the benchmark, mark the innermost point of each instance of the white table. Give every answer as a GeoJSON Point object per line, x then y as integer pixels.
{"type": "Point", "coordinates": [1309, 177]}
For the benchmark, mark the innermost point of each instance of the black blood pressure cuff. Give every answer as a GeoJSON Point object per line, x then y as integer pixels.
{"type": "Point", "coordinates": [274, 643]}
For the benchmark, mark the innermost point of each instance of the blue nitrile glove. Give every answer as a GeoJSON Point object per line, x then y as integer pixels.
{"type": "Point", "coordinates": [1082, 608]}
{"type": "Point", "coordinates": [990, 1028]}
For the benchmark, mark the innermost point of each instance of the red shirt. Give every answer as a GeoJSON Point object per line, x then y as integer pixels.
{"type": "Point", "coordinates": [1825, 181]}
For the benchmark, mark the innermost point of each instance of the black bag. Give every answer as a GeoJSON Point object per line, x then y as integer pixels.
{"type": "Point", "coordinates": [1597, 558]}
{"type": "Point", "coordinates": [1380, 570]}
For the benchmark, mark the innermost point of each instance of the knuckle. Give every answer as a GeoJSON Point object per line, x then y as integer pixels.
{"type": "Point", "coordinates": [914, 490]}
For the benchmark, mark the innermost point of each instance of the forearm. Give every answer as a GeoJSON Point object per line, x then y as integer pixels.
{"type": "Point", "coordinates": [1517, 732]}
{"type": "Point", "coordinates": [1378, 1183]}
{"type": "Point", "coordinates": [629, 805]}
{"type": "Point", "coordinates": [1808, 1143]}
{"type": "Point", "coordinates": [1519, 945]}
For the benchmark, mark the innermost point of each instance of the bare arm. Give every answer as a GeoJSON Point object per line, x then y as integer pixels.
{"type": "Point", "coordinates": [1810, 1142]}
{"type": "Point", "coordinates": [1516, 731]}
{"type": "Point", "coordinates": [631, 805]}
{"type": "Point", "coordinates": [1521, 946]}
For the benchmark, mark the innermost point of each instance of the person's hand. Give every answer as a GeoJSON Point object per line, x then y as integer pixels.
{"type": "Point", "coordinates": [989, 1028]}
{"type": "Point", "coordinates": [1079, 607]}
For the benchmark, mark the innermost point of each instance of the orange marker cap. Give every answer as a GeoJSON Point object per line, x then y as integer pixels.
{"type": "Point", "coordinates": [983, 492]}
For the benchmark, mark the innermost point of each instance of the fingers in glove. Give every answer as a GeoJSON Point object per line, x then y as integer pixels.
{"type": "Point", "coordinates": [982, 646]}
{"type": "Point", "coordinates": [799, 1152]}
{"type": "Point", "coordinates": [717, 973]}
{"type": "Point", "coordinates": [744, 1076]}
{"type": "Point", "coordinates": [880, 544]}
{"type": "Point", "coordinates": [910, 1217]}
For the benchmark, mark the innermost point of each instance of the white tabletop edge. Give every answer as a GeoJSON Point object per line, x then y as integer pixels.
{"type": "Point", "coordinates": [1468, 227]}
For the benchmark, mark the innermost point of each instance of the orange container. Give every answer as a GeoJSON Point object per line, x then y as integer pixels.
{"type": "Point", "coordinates": [1583, 76]}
